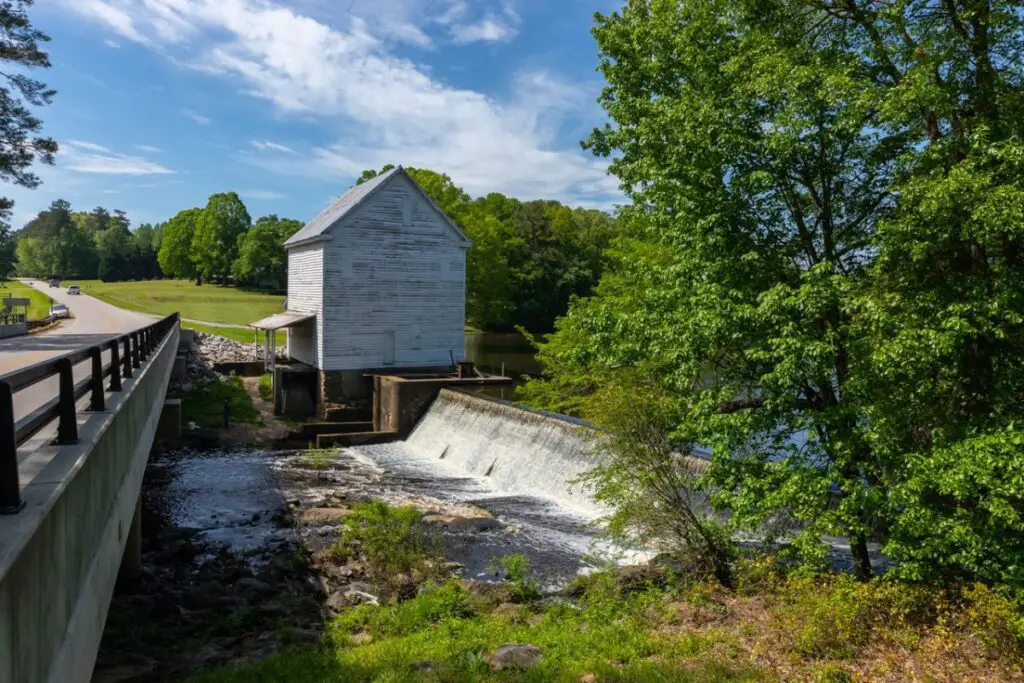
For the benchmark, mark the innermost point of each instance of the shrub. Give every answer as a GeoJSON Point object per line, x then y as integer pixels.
{"type": "Point", "coordinates": [266, 387]}
{"type": "Point", "coordinates": [205, 405]}
{"type": "Point", "coordinates": [393, 539]}
{"type": "Point", "coordinates": [516, 570]}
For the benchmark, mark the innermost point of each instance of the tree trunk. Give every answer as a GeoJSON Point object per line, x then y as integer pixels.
{"type": "Point", "coordinates": [861, 559]}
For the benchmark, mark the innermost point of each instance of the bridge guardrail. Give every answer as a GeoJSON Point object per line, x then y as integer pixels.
{"type": "Point", "coordinates": [127, 352]}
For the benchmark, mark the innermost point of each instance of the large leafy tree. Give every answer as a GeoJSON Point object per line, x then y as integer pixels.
{"type": "Point", "coordinates": [819, 268]}
{"type": "Point", "coordinates": [261, 256]}
{"type": "Point", "coordinates": [20, 141]}
{"type": "Point", "coordinates": [215, 243]}
{"type": "Point", "coordinates": [175, 254]}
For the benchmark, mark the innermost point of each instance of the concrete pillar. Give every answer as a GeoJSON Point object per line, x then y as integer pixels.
{"type": "Point", "coordinates": [168, 430]}
{"type": "Point", "coordinates": [131, 561]}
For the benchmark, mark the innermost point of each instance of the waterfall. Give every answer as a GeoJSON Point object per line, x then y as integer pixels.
{"type": "Point", "coordinates": [520, 451]}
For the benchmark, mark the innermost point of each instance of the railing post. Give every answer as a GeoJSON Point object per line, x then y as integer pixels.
{"type": "Point", "coordinates": [67, 427]}
{"type": "Point", "coordinates": [96, 401]}
{"type": "Point", "coordinates": [127, 356]}
{"type": "Point", "coordinates": [136, 355]}
{"type": "Point", "coordinates": [10, 485]}
{"type": "Point", "coordinates": [115, 366]}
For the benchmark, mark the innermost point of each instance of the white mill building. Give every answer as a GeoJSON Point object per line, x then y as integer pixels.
{"type": "Point", "coordinates": [376, 282]}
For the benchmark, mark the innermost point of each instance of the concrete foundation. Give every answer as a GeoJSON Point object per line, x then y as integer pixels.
{"type": "Point", "coordinates": [295, 390]}
{"type": "Point", "coordinates": [168, 431]}
{"type": "Point", "coordinates": [131, 560]}
{"type": "Point", "coordinates": [400, 401]}
{"type": "Point", "coordinates": [13, 330]}
{"type": "Point", "coordinates": [340, 386]}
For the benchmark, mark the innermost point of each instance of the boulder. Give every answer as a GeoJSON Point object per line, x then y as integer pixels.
{"type": "Point", "coordinates": [515, 656]}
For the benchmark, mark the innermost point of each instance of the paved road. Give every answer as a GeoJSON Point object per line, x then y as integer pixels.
{"type": "Point", "coordinates": [94, 322]}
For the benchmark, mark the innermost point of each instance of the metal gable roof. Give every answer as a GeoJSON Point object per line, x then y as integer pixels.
{"type": "Point", "coordinates": [348, 202]}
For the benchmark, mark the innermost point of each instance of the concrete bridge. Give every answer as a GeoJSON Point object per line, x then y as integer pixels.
{"type": "Point", "coordinates": [70, 475]}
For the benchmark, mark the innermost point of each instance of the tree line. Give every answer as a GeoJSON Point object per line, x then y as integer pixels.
{"type": "Point", "coordinates": [528, 259]}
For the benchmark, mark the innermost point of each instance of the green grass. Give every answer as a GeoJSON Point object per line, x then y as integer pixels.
{"type": "Point", "coordinates": [205, 405]}
{"type": "Point", "coordinates": [266, 387]}
{"type": "Point", "coordinates": [39, 302]}
{"type": "Point", "coordinates": [208, 303]}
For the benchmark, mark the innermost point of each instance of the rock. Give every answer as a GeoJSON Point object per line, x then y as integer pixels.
{"type": "Point", "coordinates": [588, 678]}
{"type": "Point", "coordinates": [512, 655]}
{"type": "Point", "coordinates": [496, 593]}
{"type": "Point", "coordinates": [506, 609]}
{"type": "Point", "coordinates": [361, 638]}
{"type": "Point", "coordinates": [422, 666]}
{"type": "Point", "coordinates": [639, 576]}
{"type": "Point", "coordinates": [354, 597]}
{"type": "Point", "coordinates": [254, 586]}
{"type": "Point", "coordinates": [336, 601]}
{"type": "Point", "coordinates": [139, 668]}
{"type": "Point", "coordinates": [405, 587]}
{"type": "Point", "coordinates": [474, 524]}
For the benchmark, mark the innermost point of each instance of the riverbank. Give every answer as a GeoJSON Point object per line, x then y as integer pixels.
{"type": "Point", "coordinates": [371, 563]}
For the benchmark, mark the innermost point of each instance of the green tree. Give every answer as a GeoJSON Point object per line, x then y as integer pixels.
{"type": "Point", "coordinates": [30, 258]}
{"type": "Point", "coordinates": [261, 256]}
{"type": "Point", "coordinates": [145, 246]}
{"type": "Point", "coordinates": [175, 254]}
{"type": "Point", "coordinates": [820, 264]}
{"type": "Point", "coordinates": [20, 142]}
{"type": "Point", "coordinates": [215, 244]}
{"type": "Point", "coordinates": [116, 254]}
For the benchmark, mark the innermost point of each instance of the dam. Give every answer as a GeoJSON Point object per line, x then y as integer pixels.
{"type": "Point", "coordinates": [503, 477]}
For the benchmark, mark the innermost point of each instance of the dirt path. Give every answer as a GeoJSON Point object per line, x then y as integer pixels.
{"type": "Point", "coordinates": [270, 429]}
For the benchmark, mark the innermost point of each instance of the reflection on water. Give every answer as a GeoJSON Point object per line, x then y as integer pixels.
{"type": "Point", "coordinates": [506, 353]}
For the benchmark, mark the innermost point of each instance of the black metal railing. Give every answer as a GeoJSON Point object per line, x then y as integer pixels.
{"type": "Point", "coordinates": [127, 352]}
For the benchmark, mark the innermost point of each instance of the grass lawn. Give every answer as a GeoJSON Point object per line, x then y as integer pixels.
{"type": "Point", "coordinates": [39, 302]}
{"type": "Point", "coordinates": [207, 303]}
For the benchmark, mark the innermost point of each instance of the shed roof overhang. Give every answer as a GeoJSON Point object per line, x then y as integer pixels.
{"type": "Point", "coordinates": [280, 320]}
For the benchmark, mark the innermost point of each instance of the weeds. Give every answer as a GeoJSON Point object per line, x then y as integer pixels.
{"type": "Point", "coordinates": [205, 405]}
{"type": "Point", "coordinates": [392, 540]}
{"type": "Point", "coordinates": [266, 387]}
{"type": "Point", "coordinates": [516, 570]}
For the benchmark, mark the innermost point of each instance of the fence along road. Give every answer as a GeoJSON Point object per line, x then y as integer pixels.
{"type": "Point", "coordinates": [95, 322]}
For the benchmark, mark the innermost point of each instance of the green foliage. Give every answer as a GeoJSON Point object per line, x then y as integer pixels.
{"type": "Point", "coordinates": [393, 539]}
{"type": "Point", "coordinates": [20, 137]}
{"type": "Point", "coordinates": [205, 405]}
{"type": "Point", "coordinates": [266, 387]}
{"type": "Point", "coordinates": [821, 268]}
{"type": "Point", "coordinates": [175, 253]}
{"type": "Point", "coordinates": [218, 229]}
{"type": "Point", "coordinates": [262, 261]}
{"type": "Point", "coordinates": [39, 302]}
{"type": "Point", "coordinates": [516, 570]}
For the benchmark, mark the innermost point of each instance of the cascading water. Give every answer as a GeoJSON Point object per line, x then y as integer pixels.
{"type": "Point", "coordinates": [518, 451]}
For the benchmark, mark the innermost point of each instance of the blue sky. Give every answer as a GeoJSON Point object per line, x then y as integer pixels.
{"type": "Point", "coordinates": [163, 102]}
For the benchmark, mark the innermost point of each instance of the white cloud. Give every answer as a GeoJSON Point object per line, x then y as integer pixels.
{"type": "Point", "coordinates": [88, 157]}
{"type": "Point", "coordinates": [198, 118]}
{"type": "Point", "coordinates": [148, 148]}
{"type": "Point", "coordinates": [112, 44]}
{"type": "Point", "coordinates": [340, 70]}
{"type": "Point", "coordinates": [487, 30]}
{"type": "Point", "coordinates": [262, 195]}
{"type": "Point", "coordinates": [81, 144]}
{"type": "Point", "coordinates": [268, 146]}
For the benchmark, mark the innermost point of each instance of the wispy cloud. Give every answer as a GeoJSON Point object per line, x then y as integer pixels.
{"type": "Point", "coordinates": [268, 146]}
{"type": "Point", "coordinates": [112, 44]}
{"type": "Point", "coordinates": [314, 62]}
{"type": "Point", "coordinates": [198, 118]}
{"type": "Point", "coordinates": [88, 157]}
{"type": "Point", "coordinates": [148, 148]}
{"type": "Point", "coordinates": [262, 195]}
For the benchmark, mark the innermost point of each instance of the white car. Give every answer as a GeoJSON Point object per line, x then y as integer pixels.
{"type": "Point", "coordinates": [73, 289]}
{"type": "Point", "coordinates": [59, 311]}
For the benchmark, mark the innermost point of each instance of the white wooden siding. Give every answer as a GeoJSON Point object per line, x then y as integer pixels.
{"type": "Point", "coordinates": [391, 267]}
{"type": "Point", "coordinates": [305, 294]}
